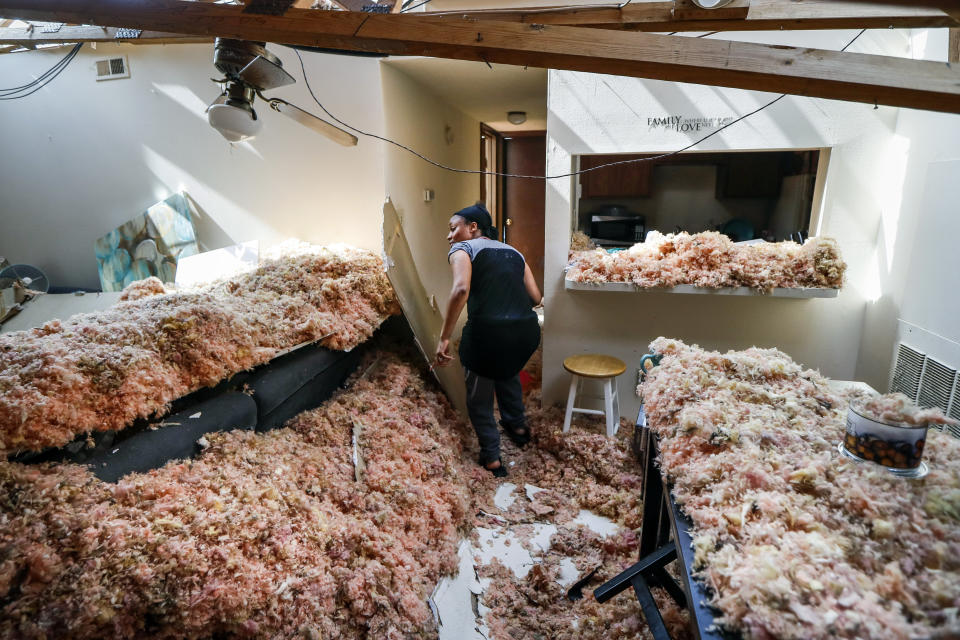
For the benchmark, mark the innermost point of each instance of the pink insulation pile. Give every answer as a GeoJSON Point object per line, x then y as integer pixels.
{"type": "Point", "coordinates": [536, 606]}
{"type": "Point", "coordinates": [712, 260]}
{"type": "Point", "coordinates": [898, 408]}
{"type": "Point", "coordinates": [103, 370]}
{"type": "Point", "coordinates": [263, 535]}
{"type": "Point", "coordinates": [581, 469]}
{"type": "Point", "coordinates": [145, 288]}
{"type": "Point", "coordinates": [579, 241]}
{"type": "Point", "coordinates": [298, 534]}
{"type": "Point", "coordinates": [795, 540]}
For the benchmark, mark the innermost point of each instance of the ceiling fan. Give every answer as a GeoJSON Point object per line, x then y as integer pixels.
{"type": "Point", "coordinates": [249, 69]}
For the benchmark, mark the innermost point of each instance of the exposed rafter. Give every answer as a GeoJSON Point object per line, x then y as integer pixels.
{"type": "Point", "coordinates": [799, 71]}
{"type": "Point", "coordinates": [86, 33]}
{"type": "Point", "coordinates": [741, 15]}
{"type": "Point", "coordinates": [757, 15]}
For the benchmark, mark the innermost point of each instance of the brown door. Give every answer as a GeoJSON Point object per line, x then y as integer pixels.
{"type": "Point", "coordinates": [522, 214]}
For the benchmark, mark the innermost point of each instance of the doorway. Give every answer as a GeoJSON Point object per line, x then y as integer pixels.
{"type": "Point", "coordinates": [519, 202]}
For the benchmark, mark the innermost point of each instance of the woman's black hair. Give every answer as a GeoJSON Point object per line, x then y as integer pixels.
{"type": "Point", "coordinates": [479, 214]}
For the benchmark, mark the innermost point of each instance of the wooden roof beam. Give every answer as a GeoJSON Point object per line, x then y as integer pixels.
{"type": "Point", "coordinates": [799, 71]}
{"type": "Point", "coordinates": [358, 5]}
{"type": "Point", "coordinates": [70, 34]}
{"type": "Point", "coordinates": [755, 15]}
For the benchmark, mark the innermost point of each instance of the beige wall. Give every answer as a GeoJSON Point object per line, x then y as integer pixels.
{"type": "Point", "coordinates": [416, 116]}
{"type": "Point", "coordinates": [591, 113]}
{"type": "Point", "coordinates": [81, 157]}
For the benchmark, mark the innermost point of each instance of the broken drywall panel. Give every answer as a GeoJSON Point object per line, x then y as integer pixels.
{"type": "Point", "coordinates": [425, 319]}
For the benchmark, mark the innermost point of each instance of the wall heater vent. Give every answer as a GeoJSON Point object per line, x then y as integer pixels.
{"type": "Point", "coordinates": [907, 372]}
{"type": "Point", "coordinates": [927, 382]}
{"type": "Point", "coordinates": [112, 68]}
{"type": "Point", "coordinates": [936, 385]}
{"type": "Point", "coordinates": [955, 405]}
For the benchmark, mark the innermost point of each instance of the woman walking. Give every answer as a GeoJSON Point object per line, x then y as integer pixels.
{"type": "Point", "coordinates": [501, 333]}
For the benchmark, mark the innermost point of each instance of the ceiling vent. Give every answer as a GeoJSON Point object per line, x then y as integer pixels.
{"type": "Point", "coordinates": [112, 68]}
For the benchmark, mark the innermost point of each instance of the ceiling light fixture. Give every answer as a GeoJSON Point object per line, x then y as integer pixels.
{"type": "Point", "coordinates": [516, 117]}
{"type": "Point", "coordinates": [235, 118]}
{"type": "Point", "coordinates": [711, 4]}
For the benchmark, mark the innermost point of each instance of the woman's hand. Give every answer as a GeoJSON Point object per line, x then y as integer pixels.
{"type": "Point", "coordinates": [462, 274]}
{"type": "Point", "coordinates": [530, 284]}
{"type": "Point", "coordinates": [443, 357]}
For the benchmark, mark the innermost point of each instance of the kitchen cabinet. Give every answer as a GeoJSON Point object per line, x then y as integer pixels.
{"type": "Point", "coordinates": [748, 175]}
{"type": "Point", "coordinates": [619, 181]}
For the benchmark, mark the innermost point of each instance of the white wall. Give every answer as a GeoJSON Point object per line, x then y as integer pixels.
{"type": "Point", "coordinates": [916, 263]}
{"type": "Point", "coordinates": [81, 157]}
{"type": "Point", "coordinates": [590, 113]}
{"type": "Point", "coordinates": [418, 117]}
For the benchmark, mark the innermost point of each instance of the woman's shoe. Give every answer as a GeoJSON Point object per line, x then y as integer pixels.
{"type": "Point", "coordinates": [520, 436]}
{"type": "Point", "coordinates": [500, 471]}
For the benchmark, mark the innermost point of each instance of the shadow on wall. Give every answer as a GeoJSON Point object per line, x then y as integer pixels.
{"type": "Point", "coordinates": [210, 235]}
{"type": "Point", "coordinates": [879, 333]}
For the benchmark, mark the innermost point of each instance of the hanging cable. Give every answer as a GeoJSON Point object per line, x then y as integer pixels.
{"type": "Point", "coordinates": [36, 80]}
{"type": "Point", "coordinates": [43, 80]}
{"type": "Point", "coordinates": [548, 177]}
{"type": "Point", "coordinates": [39, 78]}
{"type": "Point", "coordinates": [414, 6]}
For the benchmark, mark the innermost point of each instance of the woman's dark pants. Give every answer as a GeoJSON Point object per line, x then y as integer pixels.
{"type": "Point", "coordinates": [480, 392]}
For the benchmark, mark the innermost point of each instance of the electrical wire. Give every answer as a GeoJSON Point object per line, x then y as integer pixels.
{"type": "Point", "coordinates": [33, 82]}
{"type": "Point", "coordinates": [19, 95]}
{"type": "Point", "coordinates": [414, 6]}
{"type": "Point", "coordinates": [43, 80]}
{"type": "Point", "coordinates": [862, 31]}
{"type": "Point", "coordinates": [39, 78]}
{"type": "Point", "coordinates": [548, 177]}
{"type": "Point", "coordinates": [42, 76]}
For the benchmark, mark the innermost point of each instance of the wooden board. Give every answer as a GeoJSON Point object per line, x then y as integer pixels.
{"type": "Point", "coordinates": [71, 34]}
{"type": "Point", "coordinates": [794, 70]}
{"type": "Point", "coordinates": [761, 15]}
{"type": "Point", "coordinates": [424, 317]}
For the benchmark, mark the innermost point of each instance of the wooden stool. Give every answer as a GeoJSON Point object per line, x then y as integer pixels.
{"type": "Point", "coordinates": [600, 367]}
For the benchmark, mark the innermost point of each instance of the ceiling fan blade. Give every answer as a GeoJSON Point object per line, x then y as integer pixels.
{"type": "Point", "coordinates": [265, 75]}
{"type": "Point", "coordinates": [319, 125]}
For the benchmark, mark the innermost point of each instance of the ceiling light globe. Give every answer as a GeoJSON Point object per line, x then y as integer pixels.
{"type": "Point", "coordinates": [516, 117]}
{"type": "Point", "coordinates": [711, 4]}
{"type": "Point", "coordinates": [234, 123]}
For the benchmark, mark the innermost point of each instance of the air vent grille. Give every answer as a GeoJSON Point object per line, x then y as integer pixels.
{"type": "Point", "coordinates": [907, 372]}
{"type": "Point", "coordinates": [928, 382]}
{"type": "Point", "coordinates": [936, 385]}
{"type": "Point", "coordinates": [112, 68]}
{"type": "Point", "coordinates": [955, 405]}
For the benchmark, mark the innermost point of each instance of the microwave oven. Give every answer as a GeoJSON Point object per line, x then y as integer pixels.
{"type": "Point", "coordinates": [617, 228]}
